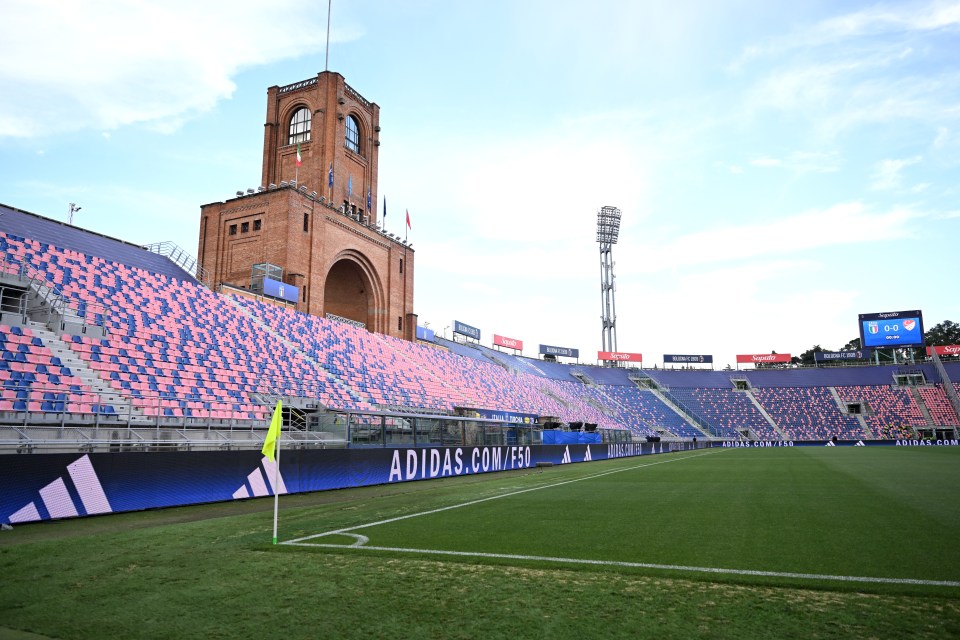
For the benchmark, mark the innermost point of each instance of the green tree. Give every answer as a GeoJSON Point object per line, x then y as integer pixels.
{"type": "Point", "coordinates": [945, 333]}
{"type": "Point", "coordinates": [853, 345]}
{"type": "Point", "coordinates": [808, 357]}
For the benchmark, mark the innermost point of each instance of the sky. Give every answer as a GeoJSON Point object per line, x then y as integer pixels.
{"type": "Point", "coordinates": [780, 166]}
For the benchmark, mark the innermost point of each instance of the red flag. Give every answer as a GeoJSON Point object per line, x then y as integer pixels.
{"type": "Point", "coordinates": [299, 157]}
{"type": "Point", "coordinates": [408, 219]}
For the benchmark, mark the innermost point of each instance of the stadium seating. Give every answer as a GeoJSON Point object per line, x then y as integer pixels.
{"type": "Point", "coordinates": [174, 350]}
{"type": "Point", "coordinates": [808, 413]}
{"type": "Point", "coordinates": [886, 407]}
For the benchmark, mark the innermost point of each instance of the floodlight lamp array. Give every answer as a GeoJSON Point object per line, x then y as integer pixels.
{"type": "Point", "coordinates": [608, 225]}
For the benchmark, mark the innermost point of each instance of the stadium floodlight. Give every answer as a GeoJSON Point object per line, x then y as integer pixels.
{"type": "Point", "coordinates": [608, 231]}
{"type": "Point", "coordinates": [608, 225]}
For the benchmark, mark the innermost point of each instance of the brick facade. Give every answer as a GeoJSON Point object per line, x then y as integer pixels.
{"type": "Point", "coordinates": [325, 238]}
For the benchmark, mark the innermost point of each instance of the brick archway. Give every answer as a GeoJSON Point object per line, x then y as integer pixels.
{"type": "Point", "coordinates": [353, 289]}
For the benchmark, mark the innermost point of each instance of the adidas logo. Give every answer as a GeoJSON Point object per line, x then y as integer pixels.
{"type": "Point", "coordinates": [56, 498]}
{"type": "Point", "coordinates": [258, 485]}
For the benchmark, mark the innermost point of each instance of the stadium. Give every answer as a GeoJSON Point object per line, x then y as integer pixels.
{"type": "Point", "coordinates": [157, 405]}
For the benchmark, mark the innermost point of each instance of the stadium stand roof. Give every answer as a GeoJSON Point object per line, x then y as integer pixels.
{"type": "Point", "coordinates": [30, 225]}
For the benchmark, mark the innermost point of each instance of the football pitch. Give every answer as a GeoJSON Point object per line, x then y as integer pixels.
{"type": "Point", "coordinates": [782, 542]}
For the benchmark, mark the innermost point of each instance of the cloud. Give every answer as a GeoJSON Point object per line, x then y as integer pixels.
{"type": "Point", "coordinates": [888, 173]}
{"type": "Point", "coordinates": [874, 66]}
{"type": "Point", "coordinates": [879, 20]}
{"type": "Point", "coordinates": [841, 224]}
{"type": "Point", "coordinates": [802, 162]}
{"type": "Point", "coordinates": [153, 63]}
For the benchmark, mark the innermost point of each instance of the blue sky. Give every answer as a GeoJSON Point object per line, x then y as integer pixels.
{"type": "Point", "coordinates": [781, 166]}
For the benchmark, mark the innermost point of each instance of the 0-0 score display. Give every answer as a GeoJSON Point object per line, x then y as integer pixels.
{"type": "Point", "coordinates": [891, 329]}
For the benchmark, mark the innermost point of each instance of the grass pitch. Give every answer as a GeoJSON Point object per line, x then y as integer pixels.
{"type": "Point", "coordinates": [787, 542]}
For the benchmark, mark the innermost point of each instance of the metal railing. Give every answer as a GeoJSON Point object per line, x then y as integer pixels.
{"type": "Point", "coordinates": [182, 258]}
{"type": "Point", "coordinates": [47, 302]}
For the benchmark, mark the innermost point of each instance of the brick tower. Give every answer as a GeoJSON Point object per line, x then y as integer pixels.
{"type": "Point", "coordinates": [309, 234]}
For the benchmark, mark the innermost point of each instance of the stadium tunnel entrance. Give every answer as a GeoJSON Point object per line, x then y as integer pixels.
{"type": "Point", "coordinates": [352, 290]}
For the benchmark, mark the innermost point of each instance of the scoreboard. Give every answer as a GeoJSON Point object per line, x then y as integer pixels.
{"type": "Point", "coordinates": [891, 329]}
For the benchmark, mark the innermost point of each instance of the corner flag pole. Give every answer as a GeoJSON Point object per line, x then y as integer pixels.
{"type": "Point", "coordinates": [271, 445]}
{"type": "Point", "coordinates": [276, 494]}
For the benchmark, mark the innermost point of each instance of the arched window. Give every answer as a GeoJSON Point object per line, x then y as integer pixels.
{"type": "Point", "coordinates": [300, 126]}
{"type": "Point", "coordinates": [353, 135]}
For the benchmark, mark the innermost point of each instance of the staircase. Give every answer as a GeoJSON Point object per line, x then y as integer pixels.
{"type": "Point", "coordinates": [107, 395]}
{"type": "Point", "coordinates": [923, 406]}
{"type": "Point", "coordinates": [766, 416]}
{"type": "Point", "coordinates": [688, 416]}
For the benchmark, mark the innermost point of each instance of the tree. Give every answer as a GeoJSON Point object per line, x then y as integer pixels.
{"type": "Point", "coordinates": [945, 333]}
{"type": "Point", "coordinates": [808, 357]}
{"type": "Point", "coordinates": [853, 345]}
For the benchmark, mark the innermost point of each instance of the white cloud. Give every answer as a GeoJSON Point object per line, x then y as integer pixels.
{"type": "Point", "coordinates": [847, 223]}
{"type": "Point", "coordinates": [888, 173]}
{"type": "Point", "coordinates": [879, 65]}
{"type": "Point", "coordinates": [881, 19]}
{"type": "Point", "coordinates": [802, 162]}
{"type": "Point", "coordinates": [156, 63]}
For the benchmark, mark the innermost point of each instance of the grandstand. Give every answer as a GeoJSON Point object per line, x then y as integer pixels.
{"type": "Point", "coordinates": [99, 331]}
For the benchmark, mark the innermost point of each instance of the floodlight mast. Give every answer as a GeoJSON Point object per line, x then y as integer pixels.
{"type": "Point", "coordinates": [608, 231]}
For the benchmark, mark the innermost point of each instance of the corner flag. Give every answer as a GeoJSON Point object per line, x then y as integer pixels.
{"type": "Point", "coordinates": [269, 449]}
{"type": "Point", "coordinates": [270, 443]}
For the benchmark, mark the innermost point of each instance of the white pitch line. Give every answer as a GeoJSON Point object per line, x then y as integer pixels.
{"type": "Point", "coordinates": [497, 497]}
{"type": "Point", "coordinates": [644, 565]}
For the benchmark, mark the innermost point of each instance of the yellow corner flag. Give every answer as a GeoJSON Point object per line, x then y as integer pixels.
{"type": "Point", "coordinates": [270, 444]}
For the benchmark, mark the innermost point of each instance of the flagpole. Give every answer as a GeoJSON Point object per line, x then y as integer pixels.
{"type": "Point", "coordinates": [326, 63]}
{"type": "Point", "coordinates": [276, 492]}
{"type": "Point", "coordinates": [271, 451]}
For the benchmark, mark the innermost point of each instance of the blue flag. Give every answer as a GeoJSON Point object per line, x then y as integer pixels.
{"type": "Point", "coordinates": [330, 177]}
{"type": "Point", "coordinates": [350, 185]}
{"type": "Point", "coordinates": [368, 200]}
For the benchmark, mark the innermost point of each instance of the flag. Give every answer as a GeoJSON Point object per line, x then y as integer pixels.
{"type": "Point", "coordinates": [299, 157]}
{"type": "Point", "coordinates": [330, 177]}
{"type": "Point", "coordinates": [384, 207]}
{"type": "Point", "coordinates": [350, 185]}
{"type": "Point", "coordinates": [408, 219]}
{"type": "Point", "coordinates": [369, 205]}
{"type": "Point", "coordinates": [270, 444]}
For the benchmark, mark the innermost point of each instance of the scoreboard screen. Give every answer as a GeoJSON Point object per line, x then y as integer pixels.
{"type": "Point", "coordinates": [891, 329]}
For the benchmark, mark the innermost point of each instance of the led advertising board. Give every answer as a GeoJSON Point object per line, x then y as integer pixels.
{"type": "Point", "coordinates": [466, 330]}
{"type": "Point", "coordinates": [617, 356]}
{"type": "Point", "coordinates": [282, 290]}
{"type": "Point", "coordinates": [567, 352]}
{"type": "Point", "coordinates": [830, 356]}
{"type": "Point", "coordinates": [945, 350]}
{"type": "Point", "coordinates": [763, 358]}
{"type": "Point", "coordinates": [687, 359]}
{"type": "Point", "coordinates": [510, 343]}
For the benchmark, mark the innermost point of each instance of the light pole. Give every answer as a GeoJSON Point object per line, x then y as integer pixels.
{"type": "Point", "coordinates": [608, 232]}
{"type": "Point", "coordinates": [70, 211]}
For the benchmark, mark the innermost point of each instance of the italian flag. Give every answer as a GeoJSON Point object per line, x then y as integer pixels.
{"type": "Point", "coordinates": [299, 157]}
